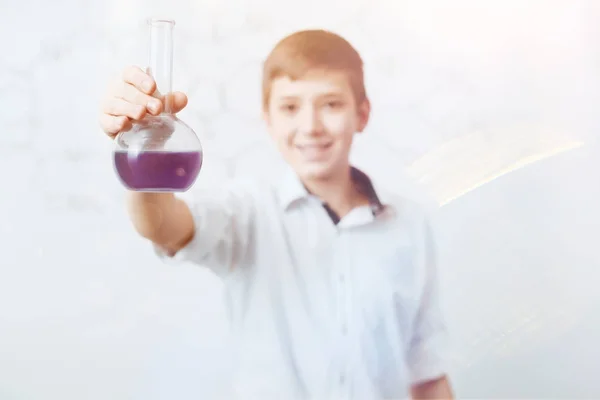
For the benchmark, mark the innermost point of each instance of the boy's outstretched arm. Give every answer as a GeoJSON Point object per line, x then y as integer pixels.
{"type": "Point", "coordinates": [161, 218]}
{"type": "Point", "coordinates": [214, 230]}
{"type": "Point", "coordinates": [435, 389]}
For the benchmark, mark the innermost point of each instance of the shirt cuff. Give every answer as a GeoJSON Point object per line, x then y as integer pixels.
{"type": "Point", "coordinates": [428, 360]}
{"type": "Point", "coordinates": [188, 253]}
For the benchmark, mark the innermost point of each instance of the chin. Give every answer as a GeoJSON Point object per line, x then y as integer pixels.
{"type": "Point", "coordinates": [315, 172]}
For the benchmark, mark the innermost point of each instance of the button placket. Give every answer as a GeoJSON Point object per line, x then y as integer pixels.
{"type": "Point", "coordinates": [342, 285]}
{"type": "Point", "coordinates": [342, 310]}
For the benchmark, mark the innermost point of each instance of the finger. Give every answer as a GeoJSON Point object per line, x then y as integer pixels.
{"type": "Point", "coordinates": [111, 125]}
{"type": "Point", "coordinates": [132, 95]}
{"type": "Point", "coordinates": [139, 79]}
{"type": "Point", "coordinates": [119, 107]}
{"type": "Point", "coordinates": [178, 102]}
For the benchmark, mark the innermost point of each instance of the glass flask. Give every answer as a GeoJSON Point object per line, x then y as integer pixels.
{"type": "Point", "coordinates": [159, 153]}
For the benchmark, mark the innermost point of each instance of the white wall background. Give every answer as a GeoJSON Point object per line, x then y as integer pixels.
{"type": "Point", "coordinates": [491, 105]}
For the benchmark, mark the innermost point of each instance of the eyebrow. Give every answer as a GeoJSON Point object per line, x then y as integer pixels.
{"type": "Point", "coordinates": [332, 94]}
{"type": "Point", "coordinates": [322, 95]}
{"type": "Point", "coordinates": [283, 98]}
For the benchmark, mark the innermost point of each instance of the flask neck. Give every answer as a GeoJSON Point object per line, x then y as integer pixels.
{"type": "Point", "coordinates": [160, 59]}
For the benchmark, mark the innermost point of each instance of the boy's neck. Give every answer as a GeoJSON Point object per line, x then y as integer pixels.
{"type": "Point", "coordinates": [339, 193]}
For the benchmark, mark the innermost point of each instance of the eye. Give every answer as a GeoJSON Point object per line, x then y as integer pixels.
{"type": "Point", "coordinates": [288, 108]}
{"type": "Point", "coordinates": [334, 104]}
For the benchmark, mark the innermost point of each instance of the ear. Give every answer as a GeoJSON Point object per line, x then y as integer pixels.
{"type": "Point", "coordinates": [364, 113]}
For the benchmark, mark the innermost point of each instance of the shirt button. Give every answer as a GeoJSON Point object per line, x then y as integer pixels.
{"type": "Point", "coordinates": [342, 278]}
{"type": "Point", "coordinates": [342, 379]}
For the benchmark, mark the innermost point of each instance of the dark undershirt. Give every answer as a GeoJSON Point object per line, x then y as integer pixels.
{"type": "Point", "coordinates": [364, 186]}
{"type": "Point", "coordinates": [332, 214]}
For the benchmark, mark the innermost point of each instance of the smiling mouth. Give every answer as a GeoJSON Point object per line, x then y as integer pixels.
{"type": "Point", "coordinates": [314, 146]}
{"type": "Point", "coordinates": [314, 151]}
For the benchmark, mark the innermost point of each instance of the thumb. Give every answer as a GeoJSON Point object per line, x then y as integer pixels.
{"type": "Point", "coordinates": [178, 101]}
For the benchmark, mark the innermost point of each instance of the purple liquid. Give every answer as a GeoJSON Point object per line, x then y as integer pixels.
{"type": "Point", "coordinates": [160, 171]}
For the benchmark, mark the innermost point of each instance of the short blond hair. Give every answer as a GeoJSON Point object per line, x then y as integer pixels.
{"type": "Point", "coordinates": [295, 55]}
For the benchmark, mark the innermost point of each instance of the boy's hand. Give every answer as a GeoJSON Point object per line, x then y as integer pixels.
{"type": "Point", "coordinates": [129, 98]}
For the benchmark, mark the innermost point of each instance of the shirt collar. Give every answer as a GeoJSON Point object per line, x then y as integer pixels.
{"type": "Point", "coordinates": [291, 190]}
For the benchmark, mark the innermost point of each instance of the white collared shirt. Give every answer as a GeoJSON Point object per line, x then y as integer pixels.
{"type": "Point", "coordinates": [320, 310]}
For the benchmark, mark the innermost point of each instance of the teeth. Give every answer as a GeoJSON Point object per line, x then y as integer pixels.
{"type": "Point", "coordinates": [316, 146]}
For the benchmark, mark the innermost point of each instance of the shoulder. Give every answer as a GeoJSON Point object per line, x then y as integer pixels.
{"type": "Point", "coordinates": [406, 197]}
{"type": "Point", "coordinates": [414, 223]}
{"type": "Point", "coordinates": [406, 209]}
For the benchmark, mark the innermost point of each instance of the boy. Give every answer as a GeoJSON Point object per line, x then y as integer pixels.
{"type": "Point", "coordinates": [331, 285]}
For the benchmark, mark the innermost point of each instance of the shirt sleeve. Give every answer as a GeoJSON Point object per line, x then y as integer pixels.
{"type": "Point", "coordinates": [223, 220]}
{"type": "Point", "coordinates": [428, 345]}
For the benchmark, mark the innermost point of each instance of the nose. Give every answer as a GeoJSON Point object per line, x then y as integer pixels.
{"type": "Point", "coordinates": [309, 122]}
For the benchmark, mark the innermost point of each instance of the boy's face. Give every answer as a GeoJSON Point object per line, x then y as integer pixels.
{"type": "Point", "coordinates": [313, 121]}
